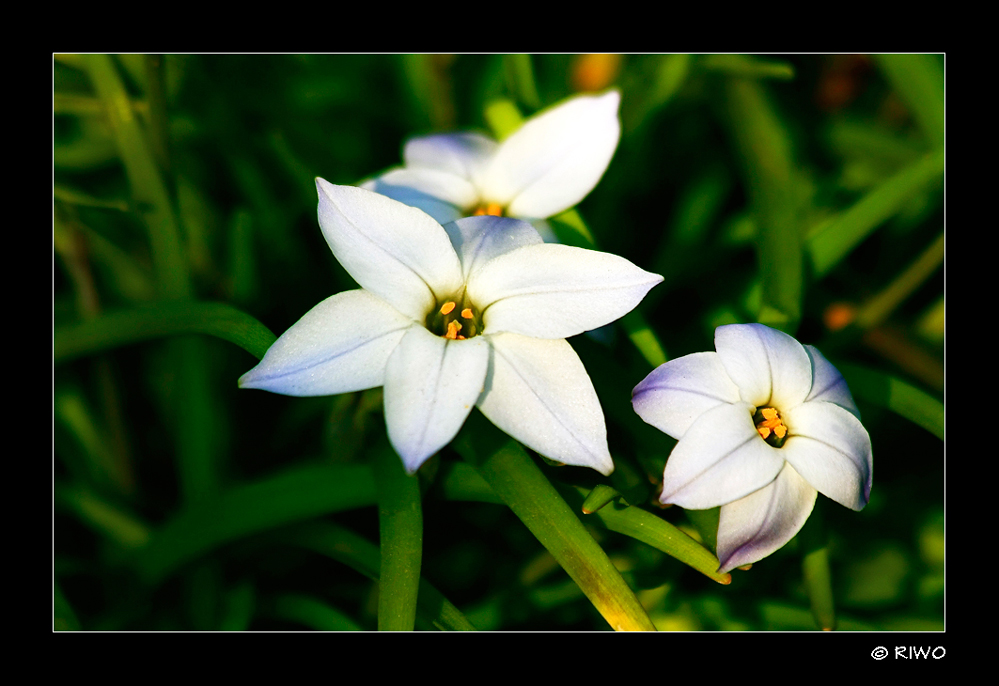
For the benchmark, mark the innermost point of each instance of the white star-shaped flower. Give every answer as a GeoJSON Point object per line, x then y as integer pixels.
{"type": "Point", "coordinates": [546, 166]}
{"type": "Point", "coordinates": [447, 318]}
{"type": "Point", "coordinates": [763, 424]}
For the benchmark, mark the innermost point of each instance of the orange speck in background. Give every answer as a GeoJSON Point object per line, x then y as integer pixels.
{"type": "Point", "coordinates": [839, 315]}
{"type": "Point", "coordinates": [595, 72]}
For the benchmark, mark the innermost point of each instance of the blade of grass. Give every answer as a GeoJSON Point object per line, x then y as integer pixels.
{"type": "Point", "coordinates": [919, 80]}
{"type": "Point", "coordinates": [829, 243]}
{"type": "Point", "coordinates": [877, 309]}
{"type": "Point", "coordinates": [297, 494]}
{"type": "Point", "coordinates": [520, 75]}
{"type": "Point", "coordinates": [742, 66]}
{"type": "Point", "coordinates": [148, 189]}
{"type": "Point", "coordinates": [312, 612]}
{"type": "Point", "coordinates": [765, 148]}
{"type": "Point", "coordinates": [509, 471]}
{"type": "Point", "coordinates": [896, 395]}
{"type": "Point", "coordinates": [114, 329]}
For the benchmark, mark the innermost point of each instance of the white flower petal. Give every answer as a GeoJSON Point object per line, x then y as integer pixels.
{"type": "Point", "coordinates": [539, 392]}
{"type": "Point", "coordinates": [442, 185]}
{"type": "Point", "coordinates": [556, 291]}
{"type": "Point", "coordinates": [831, 449]}
{"type": "Point", "coordinates": [477, 240]}
{"type": "Point", "coordinates": [769, 367]}
{"type": "Point", "coordinates": [755, 526]}
{"type": "Point", "coordinates": [461, 154]}
{"type": "Point", "coordinates": [431, 384]}
{"type": "Point", "coordinates": [828, 384]}
{"type": "Point", "coordinates": [397, 252]}
{"type": "Point", "coordinates": [551, 162]}
{"type": "Point", "coordinates": [720, 458]}
{"type": "Point", "coordinates": [341, 345]}
{"type": "Point", "coordinates": [442, 211]}
{"type": "Point", "coordinates": [679, 391]}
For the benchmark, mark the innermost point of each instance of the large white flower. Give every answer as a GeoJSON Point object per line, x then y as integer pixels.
{"type": "Point", "coordinates": [472, 313]}
{"type": "Point", "coordinates": [546, 166]}
{"type": "Point", "coordinates": [762, 424]}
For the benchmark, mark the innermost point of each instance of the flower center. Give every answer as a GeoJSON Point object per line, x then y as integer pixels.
{"type": "Point", "coordinates": [770, 426]}
{"type": "Point", "coordinates": [455, 319]}
{"type": "Point", "coordinates": [491, 208]}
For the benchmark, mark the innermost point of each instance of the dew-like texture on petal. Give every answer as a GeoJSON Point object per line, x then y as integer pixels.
{"type": "Point", "coordinates": [441, 210]}
{"type": "Point", "coordinates": [556, 291]}
{"type": "Point", "coordinates": [831, 449]}
{"type": "Point", "coordinates": [539, 392]}
{"type": "Point", "coordinates": [759, 524]}
{"type": "Point", "coordinates": [460, 154]}
{"type": "Point", "coordinates": [431, 384]}
{"type": "Point", "coordinates": [556, 158]}
{"type": "Point", "coordinates": [768, 366]}
{"type": "Point", "coordinates": [341, 345]}
{"type": "Point", "coordinates": [720, 458]}
{"type": "Point", "coordinates": [679, 391]}
{"type": "Point", "coordinates": [828, 384]}
{"type": "Point", "coordinates": [399, 253]}
{"type": "Point", "coordinates": [477, 240]}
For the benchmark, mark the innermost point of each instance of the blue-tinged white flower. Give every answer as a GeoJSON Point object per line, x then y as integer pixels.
{"type": "Point", "coordinates": [763, 424]}
{"type": "Point", "coordinates": [546, 166]}
{"type": "Point", "coordinates": [472, 313]}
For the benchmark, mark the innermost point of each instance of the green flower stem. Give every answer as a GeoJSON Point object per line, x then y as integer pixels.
{"type": "Point", "coordinates": [648, 528]}
{"type": "Point", "coordinates": [362, 555]}
{"type": "Point", "coordinates": [400, 526]}
{"type": "Point", "coordinates": [818, 584]}
{"type": "Point", "coordinates": [114, 329]}
{"type": "Point", "coordinates": [832, 241]}
{"type": "Point", "coordinates": [767, 155]}
{"type": "Point", "coordinates": [509, 471]}
{"type": "Point", "coordinates": [815, 569]}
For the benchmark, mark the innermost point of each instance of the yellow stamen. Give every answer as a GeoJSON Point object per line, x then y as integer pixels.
{"type": "Point", "coordinates": [781, 431]}
{"type": "Point", "coordinates": [452, 330]}
{"type": "Point", "coordinates": [447, 307]}
{"type": "Point", "coordinates": [467, 313]}
{"type": "Point", "coordinates": [764, 431]}
{"type": "Point", "coordinates": [768, 412]}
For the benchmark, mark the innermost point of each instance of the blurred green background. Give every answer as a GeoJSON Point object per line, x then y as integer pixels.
{"type": "Point", "coordinates": [802, 191]}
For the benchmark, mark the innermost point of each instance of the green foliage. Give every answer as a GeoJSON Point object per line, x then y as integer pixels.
{"type": "Point", "coordinates": [804, 192]}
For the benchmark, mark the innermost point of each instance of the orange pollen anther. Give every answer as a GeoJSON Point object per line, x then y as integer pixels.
{"type": "Point", "coordinates": [447, 307]}
{"type": "Point", "coordinates": [771, 424]}
{"type": "Point", "coordinates": [467, 313]}
{"type": "Point", "coordinates": [492, 208]}
{"type": "Point", "coordinates": [452, 330]}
